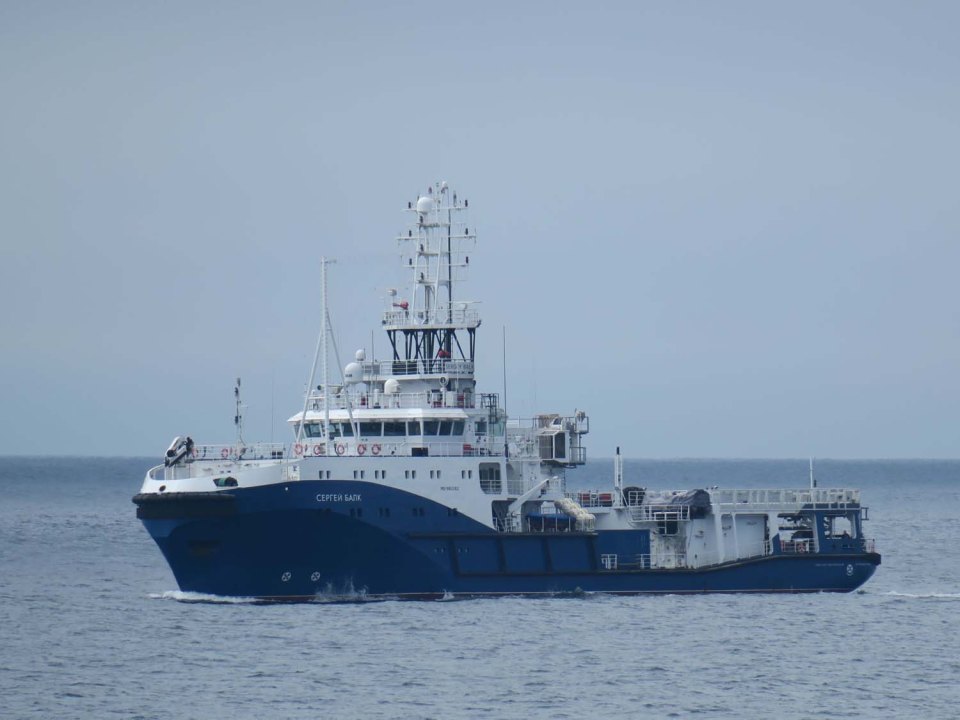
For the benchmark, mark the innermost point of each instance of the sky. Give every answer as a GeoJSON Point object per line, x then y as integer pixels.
{"type": "Point", "coordinates": [722, 229]}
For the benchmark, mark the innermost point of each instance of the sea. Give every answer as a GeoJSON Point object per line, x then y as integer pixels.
{"type": "Point", "coordinates": [92, 624]}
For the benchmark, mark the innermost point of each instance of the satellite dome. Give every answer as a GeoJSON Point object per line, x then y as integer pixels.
{"type": "Point", "coordinates": [360, 355]}
{"type": "Point", "coordinates": [353, 373]}
{"type": "Point", "coordinates": [425, 205]}
{"type": "Point", "coordinates": [391, 386]}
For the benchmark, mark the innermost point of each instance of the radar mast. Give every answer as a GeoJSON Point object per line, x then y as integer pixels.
{"type": "Point", "coordinates": [430, 324]}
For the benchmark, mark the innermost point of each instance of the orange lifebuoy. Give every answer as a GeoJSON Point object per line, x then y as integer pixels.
{"type": "Point", "coordinates": [340, 449]}
{"type": "Point", "coordinates": [375, 449]}
{"type": "Point", "coordinates": [318, 449]}
{"type": "Point", "coordinates": [298, 449]}
{"type": "Point", "coordinates": [225, 453]}
{"type": "Point", "coordinates": [361, 449]}
{"type": "Point", "coordinates": [801, 548]}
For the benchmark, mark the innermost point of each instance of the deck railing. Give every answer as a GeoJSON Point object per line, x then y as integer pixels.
{"type": "Point", "coordinates": [386, 447]}
{"type": "Point", "coordinates": [454, 316]}
{"type": "Point", "coordinates": [393, 401]}
{"type": "Point", "coordinates": [235, 452]}
{"type": "Point", "coordinates": [221, 454]}
{"type": "Point", "coordinates": [768, 497]}
{"type": "Point", "coordinates": [675, 559]}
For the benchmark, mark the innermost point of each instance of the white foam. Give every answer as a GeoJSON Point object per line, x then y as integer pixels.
{"type": "Point", "coordinates": [195, 597]}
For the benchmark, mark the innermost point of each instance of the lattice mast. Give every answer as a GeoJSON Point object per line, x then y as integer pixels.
{"type": "Point", "coordinates": [430, 324]}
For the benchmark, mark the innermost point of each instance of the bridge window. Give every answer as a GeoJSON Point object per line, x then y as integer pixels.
{"type": "Point", "coordinates": [313, 430]}
{"type": "Point", "coordinates": [431, 427]}
{"type": "Point", "coordinates": [414, 428]}
{"type": "Point", "coordinates": [343, 429]}
{"type": "Point", "coordinates": [370, 429]}
{"type": "Point", "coordinates": [394, 429]}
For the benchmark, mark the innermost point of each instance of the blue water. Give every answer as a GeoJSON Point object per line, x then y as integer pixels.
{"type": "Point", "coordinates": [91, 625]}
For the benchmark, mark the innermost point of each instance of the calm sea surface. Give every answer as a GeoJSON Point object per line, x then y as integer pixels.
{"type": "Point", "coordinates": [91, 625]}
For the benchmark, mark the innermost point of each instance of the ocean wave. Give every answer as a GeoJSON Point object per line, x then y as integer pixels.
{"type": "Point", "coordinates": [925, 596]}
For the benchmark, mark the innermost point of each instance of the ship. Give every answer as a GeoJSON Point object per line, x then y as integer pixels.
{"type": "Point", "coordinates": [405, 479]}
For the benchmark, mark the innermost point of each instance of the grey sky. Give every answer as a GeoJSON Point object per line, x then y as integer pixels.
{"type": "Point", "coordinates": [723, 229]}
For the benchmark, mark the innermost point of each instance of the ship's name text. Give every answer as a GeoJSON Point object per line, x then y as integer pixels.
{"type": "Point", "coordinates": [338, 497]}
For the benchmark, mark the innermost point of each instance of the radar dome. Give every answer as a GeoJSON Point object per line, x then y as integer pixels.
{"type": "Point", "coordinates": [391, 386]}
{"type": "Point", "coordinates": [425, 205]}
{"type": "Point", "coordinates": [360, 355]}
{"type": "Point", "coordinates": [353, 373]}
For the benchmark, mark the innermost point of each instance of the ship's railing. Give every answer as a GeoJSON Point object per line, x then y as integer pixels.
{"type": "Point", "coordinates": [659, 513]}
{"type": "Point", "coordinates": [443, 316]}
{"type": "Point", "coordinates": [673, 559]}
{"type": "Point", "coordinates": [806, 545]}
{"type": "Point", "coordinates": [761, 498]}
{"type": "Point", "coordinates": [797, 547]}
{"type": "Point", "coordinates": [379, 400]}
{"type": "Point", "coordinates": [221, 454]}
{"type": "Point", "coordinates": [252, 451]}
{"type": "Point", "coordinates": [592, 498]}
{"type": "Point", "coordinates": [386, 448]}
{"type": "Point", "coordinates": [449, 367]}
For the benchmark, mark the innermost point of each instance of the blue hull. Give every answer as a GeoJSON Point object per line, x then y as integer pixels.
{"type": "Point", "coordinates": [348, 539]}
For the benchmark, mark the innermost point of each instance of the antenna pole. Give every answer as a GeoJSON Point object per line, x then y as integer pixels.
{"type": "Point", "coordinates": [321, 345]}
{"type": "Point", "coordinates": [618, 475]}
{"type": "Point", "coordinates": [449, 272]}
{"type": "Point", "coordinates": [506, 446]}
{"type": "Point", "coordinates": [326, 329]}
{"type": "Point", "coordinates": [813, 480]}
{"type": "Point", "coordinates": [238, 416]}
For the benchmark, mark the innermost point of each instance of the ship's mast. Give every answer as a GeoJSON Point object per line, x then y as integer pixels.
{"type": "Point", "coordinates": [238, 415]}
{"type": "Point", "coordinates": [326, 330]}
{"type": "Point", "coordinates": [320, 352]}
{"type": "Point", "coordinates": [425, 328]}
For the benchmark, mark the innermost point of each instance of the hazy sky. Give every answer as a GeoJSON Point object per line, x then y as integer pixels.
{"type": "Point", "coordinates": [723, 229]}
